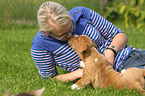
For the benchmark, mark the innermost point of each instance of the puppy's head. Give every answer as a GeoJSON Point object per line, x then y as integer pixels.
{"type": "Point", "coordinates": [81, 44]}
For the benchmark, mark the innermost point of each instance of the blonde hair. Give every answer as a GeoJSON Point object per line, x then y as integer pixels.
{"type": "Point", "coordinates": [54, 12]}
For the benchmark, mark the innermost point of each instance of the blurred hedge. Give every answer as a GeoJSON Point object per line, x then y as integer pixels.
{"type": "Point", "coordinates": [130, 11]}
{"type": "Point", "coordinates": [23, 12]}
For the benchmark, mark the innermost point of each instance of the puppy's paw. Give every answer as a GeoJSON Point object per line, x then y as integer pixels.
{"type": "Point", "coordinates": [75, 86]}
{"type": "Point", "coordinates": [82, 64]}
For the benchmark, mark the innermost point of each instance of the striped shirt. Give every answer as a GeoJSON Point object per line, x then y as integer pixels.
{"type": "Point", "coordinates": [62, 55]}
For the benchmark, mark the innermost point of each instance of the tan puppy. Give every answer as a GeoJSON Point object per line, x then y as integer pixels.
{"type": "Point", "coordinates": [36, 93]}
{"type": "Point", "coordinates": [99, 72]}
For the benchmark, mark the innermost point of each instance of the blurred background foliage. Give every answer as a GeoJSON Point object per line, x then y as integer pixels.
{"type": "Point", "coordinates": [24, 12]}
{"type": "Point", "coordinates": [20, 13]}
{"type": "Point", "coordinates": [130, 11]}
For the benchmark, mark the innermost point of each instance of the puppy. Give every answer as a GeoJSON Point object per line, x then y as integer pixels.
{"type": "Point", "coordinates": [98, 70]}
{"type": "Point", "coordinates": [36, 93]}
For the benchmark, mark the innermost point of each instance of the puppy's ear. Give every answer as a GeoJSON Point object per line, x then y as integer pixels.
{"type": "Point", "coordinates": [83, 48]}
{"type": "Point", "coordinates": [95, 45]}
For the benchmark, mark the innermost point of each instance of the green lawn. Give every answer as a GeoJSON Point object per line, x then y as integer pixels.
{"type": "Point", "coordinates": [18, 72]}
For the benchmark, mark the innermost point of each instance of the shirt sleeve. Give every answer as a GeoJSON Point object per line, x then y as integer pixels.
{"type": "Point", "coordinates": [44, 62]}
{"type": "Point", "coordinates": [106, 28]}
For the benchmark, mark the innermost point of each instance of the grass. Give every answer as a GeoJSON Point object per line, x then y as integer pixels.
{"type": "Point", "coordinates": [18, 72]}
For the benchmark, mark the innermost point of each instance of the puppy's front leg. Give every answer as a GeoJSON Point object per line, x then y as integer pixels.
{"type": "Point", "coordinates": [85, 80]}
{"type": "Point", "coordinates": [81, 83]}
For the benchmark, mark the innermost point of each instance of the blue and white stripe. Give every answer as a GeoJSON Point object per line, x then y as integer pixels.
{"type": "Point", "coordinates": [44, 62]}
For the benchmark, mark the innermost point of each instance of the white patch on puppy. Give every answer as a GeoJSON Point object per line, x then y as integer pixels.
{"type": "Point", "coordinates": [82, 64]}
{"type": "Point", "coordinates": [96, 59]}
{"type": "Point", "coordinates": [75, 86]}
{"type": "Point", "coordinates": [122, 71]}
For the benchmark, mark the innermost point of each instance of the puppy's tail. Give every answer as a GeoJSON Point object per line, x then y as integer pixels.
{"type": "Point", "coordinates": [143, 71]}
